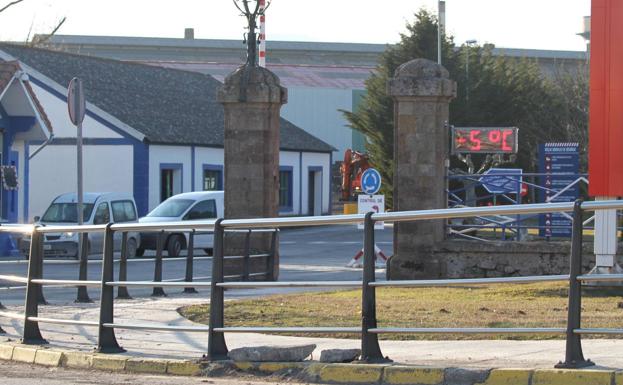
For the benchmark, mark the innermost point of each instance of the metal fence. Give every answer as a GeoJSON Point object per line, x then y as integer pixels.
{"type": "Point", "coordinates": [472, 190]}
{"type": "Point", "coordinates": [369, 330]}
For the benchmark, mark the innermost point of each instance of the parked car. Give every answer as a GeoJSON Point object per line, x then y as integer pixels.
{"type": "Point", "coordinates": [99, 208]}
{"type": "Point", "coordinates": [183, 207]}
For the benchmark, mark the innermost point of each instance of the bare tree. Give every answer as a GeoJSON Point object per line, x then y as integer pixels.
{"type": "Point", "coordinates": [37, 40]}
{"type": "Point", "coordinates": [251, 13]}
{"type": "Point", "coordinates": [10, 5]}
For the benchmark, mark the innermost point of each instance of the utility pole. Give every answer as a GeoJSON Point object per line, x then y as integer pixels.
{"type": "Point", "coordinates": [441, 26]}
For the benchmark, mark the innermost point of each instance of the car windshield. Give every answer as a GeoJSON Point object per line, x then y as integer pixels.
{"type": "Point", "coordinates": [171, 208]}
{"type": "Point", "coordinates": [66, 212]}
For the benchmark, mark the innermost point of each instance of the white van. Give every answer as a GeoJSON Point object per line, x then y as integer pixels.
{"type": "Point", "coordinates": [98, 209]}
{"type": "Point", "coordinates": [183, 207]}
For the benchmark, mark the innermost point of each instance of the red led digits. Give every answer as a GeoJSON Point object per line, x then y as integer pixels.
{"type": "Point", "coordinates": [495, 136]}
{"type": "Point", "coordinates": [484, 140]}
{"type": "Point", "coordinates": [475, 140]}
{"type": "Point", "coordinates": [505, 135]}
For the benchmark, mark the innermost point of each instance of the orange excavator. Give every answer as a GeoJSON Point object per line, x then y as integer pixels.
{"type": "Point", "coordinates": [355, 163]}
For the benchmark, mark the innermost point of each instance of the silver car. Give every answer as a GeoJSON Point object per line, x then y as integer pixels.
{"type": "Point", "coordinates": [99, 208]}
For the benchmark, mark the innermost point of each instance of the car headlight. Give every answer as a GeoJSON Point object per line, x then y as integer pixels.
{"type": "Point", "coordinates": [67, 235]}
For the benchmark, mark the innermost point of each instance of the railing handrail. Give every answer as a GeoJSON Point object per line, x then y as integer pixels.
{"type": "Point", "coordinates": [277, 222]}
{"type": "Point", "coordinates": [217, 348]}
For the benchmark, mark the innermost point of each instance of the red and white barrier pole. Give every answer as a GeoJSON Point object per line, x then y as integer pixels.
{"type": "Point", "coordinates": [262, 59]}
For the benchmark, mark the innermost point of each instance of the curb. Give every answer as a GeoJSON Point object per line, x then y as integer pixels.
{"type": "Point", "coordinates": [309, 371]}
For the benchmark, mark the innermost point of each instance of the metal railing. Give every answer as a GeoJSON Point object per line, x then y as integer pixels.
{"type": "Point", "coordinates": [369, 330]}
{"type": "Point", "coordinates": [509, 192]}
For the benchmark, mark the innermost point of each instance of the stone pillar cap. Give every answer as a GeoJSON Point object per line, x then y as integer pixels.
{"type": "Point", "coordinates": [252, 84]}
{"type": "Point", "coordinates": [421, 77]}
{"type": "Point", "coordinates": [421, 68]}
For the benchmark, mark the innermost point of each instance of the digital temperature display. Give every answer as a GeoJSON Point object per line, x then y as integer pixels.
{"type": "Point", "coordinates": [488, 140]}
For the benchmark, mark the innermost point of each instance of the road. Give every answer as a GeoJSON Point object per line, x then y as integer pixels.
{"type": "Point", "coordinates": [306, 254]}
{"type": "Point", "coordinates": [24, 374]}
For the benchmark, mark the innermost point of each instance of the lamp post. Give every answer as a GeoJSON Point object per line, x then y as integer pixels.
{"type": "Point", "coordinates": [468, 44]}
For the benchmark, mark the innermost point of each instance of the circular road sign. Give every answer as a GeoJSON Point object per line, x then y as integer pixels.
{"type": "Point", "coordinates": [370, 181]}
{"type": "Point", "coordinates": [76, 103]}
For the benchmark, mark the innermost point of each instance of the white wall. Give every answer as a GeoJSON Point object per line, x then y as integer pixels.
{"type": "Point", "coordinates": [206, 155]}
{"type": "Point", "coordinates": [107, 168]}
{"type": "Point", "coordinates": [316, 160]}
{"type": "Point", "coordinates": [56, 110]}
{"type": "Point", "coordinates": [167, 154]}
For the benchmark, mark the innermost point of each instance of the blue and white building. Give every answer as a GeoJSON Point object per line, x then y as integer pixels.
{"type": "Point", "coordinates": [151, 131]}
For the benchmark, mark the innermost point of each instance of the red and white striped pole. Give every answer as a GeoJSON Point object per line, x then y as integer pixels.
{"type": "Point", "coordinates": [262, 59]}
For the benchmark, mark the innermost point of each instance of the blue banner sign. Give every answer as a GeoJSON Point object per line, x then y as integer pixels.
{"type": "Point", "coordinates": [502, 180]}
{"type": "Point", "coordinates": [560, 162]}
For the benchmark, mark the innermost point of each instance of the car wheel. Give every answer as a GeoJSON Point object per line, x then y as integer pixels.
{"type": "Point", "coordinates": [140, 252]}
{"type": "Point", "coordinates": [131, 249]}
{"type": "Point", "coordinates": [174, 246]}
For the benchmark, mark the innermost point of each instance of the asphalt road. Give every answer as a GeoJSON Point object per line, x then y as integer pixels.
{"type": "Point", "coordinates": [24, 374]}
{"type": "Point", "coordinates": [306, 254]}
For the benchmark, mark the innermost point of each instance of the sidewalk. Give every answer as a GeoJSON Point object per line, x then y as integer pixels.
{"type": "Point", "coordinates": [485, 354]}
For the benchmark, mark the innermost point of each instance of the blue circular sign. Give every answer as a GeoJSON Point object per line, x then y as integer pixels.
{"type": "Point", "coordinates": [370, 181]}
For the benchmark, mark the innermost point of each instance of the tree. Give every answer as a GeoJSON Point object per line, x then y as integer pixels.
{"type": "Point", "coordinates": [38, 39]}
{"type": "Point", "coordinates": [4, 8]}
{"type": "Point", "coordinates": [500, 91]}
{"type": "Point", "coordinates": [374, 117]}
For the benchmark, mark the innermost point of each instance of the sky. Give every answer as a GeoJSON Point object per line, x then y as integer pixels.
{"type": "Point", "coordinates": [536, 24]}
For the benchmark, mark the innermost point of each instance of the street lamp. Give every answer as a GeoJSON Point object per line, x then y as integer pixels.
{"type": "Point", "coordinates": [468, 44]}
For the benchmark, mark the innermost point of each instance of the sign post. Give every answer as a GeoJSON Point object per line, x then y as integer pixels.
{"type": "Point", "coordinates": [369, 202]}
{"type": "Point", "coordinates": [76, 106]}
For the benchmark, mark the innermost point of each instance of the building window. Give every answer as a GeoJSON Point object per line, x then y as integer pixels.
{"type": "Point", "coordinates": [212, 178]}
{"type": "Point", "coordinates": [170, 180]}
{"type": "Point", "coordinates": [285, 189]}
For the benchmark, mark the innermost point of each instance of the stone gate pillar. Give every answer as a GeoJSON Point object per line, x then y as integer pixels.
{"type": "Point", "coordinates": [422, 91]}
{"type": "Point", "coordinates": [252, 98]}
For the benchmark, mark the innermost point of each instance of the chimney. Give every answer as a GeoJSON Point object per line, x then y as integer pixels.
{"type": "Point", "coordinates": [189, 33]}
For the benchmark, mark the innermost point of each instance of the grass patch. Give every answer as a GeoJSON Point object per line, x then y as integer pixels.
{"type": "Point", "coordinates": [533, 305]}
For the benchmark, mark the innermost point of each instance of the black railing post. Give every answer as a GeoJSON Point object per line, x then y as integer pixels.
{"type": "Point", "coordinates": [83, 257]}
{"type": "Point", "coordinates": [246, 257]}
{"type": "Point", "coordinates": [274, 256]}
{"type": "Point", "coordinates": [32, 334]}
{"type": "Point", "coordinates": [38, 273]}
{"type": "Point", "coordinates": [158, 291]}
{"type": "Point", "coordinates": [217, 348]}
{"type": "Point", "coordinates": [122, 291]}
{"type": "Point", "coordinates": [189, 262]}
{"type": "Point", "coordinates": [106, 341]}
{"type": "Point", "coordinates": [370, 349]}
{"type": "Point", "coordinates": [574, 358]}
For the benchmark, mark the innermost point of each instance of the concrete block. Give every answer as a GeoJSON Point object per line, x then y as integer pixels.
{"type": "Point", "coordinates": [460, 376]}
{"type": "Point", "coordinates": [351, 373]}
{"type": "Point", "coordinates": [183, 368]}
{"type": "Point", "coordinates": [24, 354]}
{"type": "Point", "coordinates": [6, 352]}
{"type": "Point", "coordinates": [275, 367]}
{"type": "Point", "coordinates": [272, 353]}
{"type": "Point", "coordinates": [112, 363]}
{"type": "Point", "coordinates": [77, 360]}
{"type": "Point", "coordinates": [245, 366]}
{"type": "Point", "coordinates": [146, 365]}
{"type": "Point", "coordinates": [48, 357]}
{"type": "Point", "coordinates": [572, 377]}
{"type": "Point", "coordinates": [397, 375]}
{"type": "Point", "coordinates": [508, 377]}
